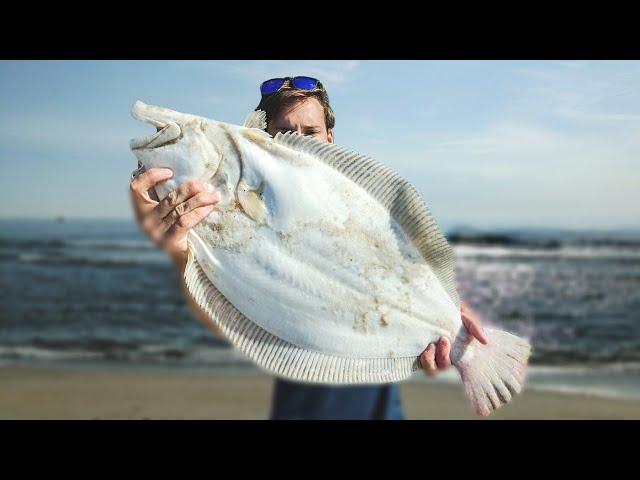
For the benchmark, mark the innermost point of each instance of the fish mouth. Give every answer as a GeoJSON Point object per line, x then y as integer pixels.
{"type": "Point", "coordinates": [163, 136]}
{"type": "Point", "coordinates": [166, 131]}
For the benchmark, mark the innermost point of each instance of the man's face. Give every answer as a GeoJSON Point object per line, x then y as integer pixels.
{"type": "Point", "coordinates": [305, 117]}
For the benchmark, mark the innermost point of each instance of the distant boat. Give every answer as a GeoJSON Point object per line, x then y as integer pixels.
{"type": "Point", "coordinates": [60, 219]}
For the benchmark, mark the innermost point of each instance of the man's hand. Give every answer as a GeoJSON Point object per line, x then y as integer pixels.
{"type": "Point", "coordinates": [167, 222]}
{"type": "Point", "coordinates": [436, 357]}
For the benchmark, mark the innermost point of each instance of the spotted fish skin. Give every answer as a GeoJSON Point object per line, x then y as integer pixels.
{"type": "Point", "coordinates": [320, 264]}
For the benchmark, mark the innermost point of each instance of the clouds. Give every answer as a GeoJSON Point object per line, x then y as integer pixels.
{"type": "Point", "coordinates": [564, 152]}
{"type": "Point", "coordinates": [583, 91]}
{"type": "Point", "coordinates": [333, 73]}
{"type": "Point", "coordinates": [571, 63]}
{"type": "Point", "coordinates": [526, 143]}
{"type": "Point", "coordinates": [586, 116]}
{"type": "Point", "coordinates": [53, 134]}
{"type": "Point", "coordinates": [524, 152]}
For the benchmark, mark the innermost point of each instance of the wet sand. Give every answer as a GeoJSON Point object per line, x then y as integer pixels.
{"type": "Point", "coordinates": [30, 393]}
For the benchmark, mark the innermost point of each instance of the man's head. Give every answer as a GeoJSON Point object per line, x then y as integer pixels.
{"type": "Point", "coordinates": [303, 111]}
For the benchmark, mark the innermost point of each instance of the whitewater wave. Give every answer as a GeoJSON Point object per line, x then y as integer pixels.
{"type": "Point", "coordinates": [565, 253]}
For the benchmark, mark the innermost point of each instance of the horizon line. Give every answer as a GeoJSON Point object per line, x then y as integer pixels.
{"type": "Point", "coordinates": [454, 225]}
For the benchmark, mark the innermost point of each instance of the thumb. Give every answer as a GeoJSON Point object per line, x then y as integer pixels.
{"type": "Point", "coordinates": [475, 329]}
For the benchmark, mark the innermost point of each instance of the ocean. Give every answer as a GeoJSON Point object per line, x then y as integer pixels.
{"type": "Point", "coordinates": [98, 294]}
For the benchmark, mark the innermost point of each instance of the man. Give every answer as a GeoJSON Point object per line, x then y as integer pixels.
{"type": "Point", "coordinates": [299, 104]}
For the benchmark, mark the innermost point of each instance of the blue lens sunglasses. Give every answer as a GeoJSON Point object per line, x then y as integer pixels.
{"type": "Point", "coordinates": [271, 86]}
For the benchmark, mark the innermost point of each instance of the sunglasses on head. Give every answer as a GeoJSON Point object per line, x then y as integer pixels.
{"type": "Point", "coordinates": [272, 85]}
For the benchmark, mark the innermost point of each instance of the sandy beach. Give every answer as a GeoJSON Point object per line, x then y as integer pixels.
{"type": "Point", "coordinates": [30, 393]}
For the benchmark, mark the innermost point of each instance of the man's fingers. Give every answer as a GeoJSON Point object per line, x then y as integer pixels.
{"type": "Point", "coordinates": [172, 206]}
{"type": "Point", "coordinates": [143, 197]}
{"type": "Point", "coordinates": [428, 360]}
{"type": "Point", "coordinates": [202, 199]}
{"type": "Point", "coordinates": [179, 196]}
{"type": "Point", "coordinates": [436, 357]}
{"type": "Point", "coordinates": [474, 328]}
{"type": "Point", "coordinates": [141, 184]}
{"type": "Point", "coordinates": [442, 353]}
{"type": "Point", "coordinates": [186, 222]}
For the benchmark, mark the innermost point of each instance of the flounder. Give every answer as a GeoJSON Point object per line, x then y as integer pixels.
{"type": "Point", "coordinates": [320, 264]}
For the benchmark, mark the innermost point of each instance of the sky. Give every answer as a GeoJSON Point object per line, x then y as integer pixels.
{"type": "Point", "coordinates": [488, 144]}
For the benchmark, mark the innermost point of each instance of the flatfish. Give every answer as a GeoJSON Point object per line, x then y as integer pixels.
{"type": "Point", "coordinates": [320, 264]}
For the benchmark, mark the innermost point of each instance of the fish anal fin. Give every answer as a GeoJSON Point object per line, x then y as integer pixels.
{"type": "Point", "coordinates": [273, 354]}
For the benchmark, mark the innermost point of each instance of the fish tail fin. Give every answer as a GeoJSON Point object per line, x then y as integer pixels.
{"type": "Point", "coordinates": [493, 373]}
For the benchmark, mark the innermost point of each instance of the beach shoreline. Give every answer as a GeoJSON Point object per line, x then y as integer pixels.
{"type": "Point", "coordinates": [56, 393]}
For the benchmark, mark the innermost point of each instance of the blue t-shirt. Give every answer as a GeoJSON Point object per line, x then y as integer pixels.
{"type": "Point", "coordinates": [300, 401]}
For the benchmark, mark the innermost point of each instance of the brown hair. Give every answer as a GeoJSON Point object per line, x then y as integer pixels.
{"type": "Point", "coordinates": [286, 97]}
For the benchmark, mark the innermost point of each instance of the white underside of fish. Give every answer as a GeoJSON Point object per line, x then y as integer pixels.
{"type": "Point", "coordinates": [330, 271]}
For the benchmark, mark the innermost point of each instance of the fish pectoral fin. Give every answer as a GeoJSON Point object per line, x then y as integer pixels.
{"type": "Point", "coordinates": [251, 201]}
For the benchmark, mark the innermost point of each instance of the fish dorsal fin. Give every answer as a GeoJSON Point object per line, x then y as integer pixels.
{"type": "Point", "coordinates": [256, 119]}
{"type": "Point", "coordinates": [397, 195]}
